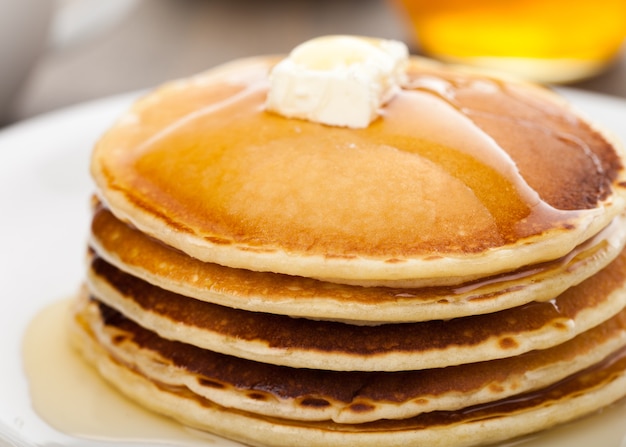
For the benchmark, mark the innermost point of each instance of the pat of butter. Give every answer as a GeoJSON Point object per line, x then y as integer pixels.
{"type": "Point", "coordinates": [338, 80]}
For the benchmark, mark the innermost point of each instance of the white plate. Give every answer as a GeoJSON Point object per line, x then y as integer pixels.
{"type": "Point", "coordinates": [44, 218]}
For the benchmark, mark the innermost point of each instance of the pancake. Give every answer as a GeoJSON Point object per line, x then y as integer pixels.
{"type": "Point", "coordinates": [343, 397]}
{"type": "Point", "coordinates": [131, 251]}
{"type": "Point", "coordinates": [304, 343]}
{"type": "Point", "coordinates": [571, 398]}
{"type": "Point", "coordinates": [466, 176]}
{"type": "Point", "coordinates": [451, 274]}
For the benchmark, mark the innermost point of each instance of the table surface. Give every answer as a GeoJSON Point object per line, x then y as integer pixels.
{"type": "Point", "coordinates": [159, 40]}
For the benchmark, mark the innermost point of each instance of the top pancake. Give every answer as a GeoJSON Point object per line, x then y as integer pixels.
{"type": "Point", "coordinates": [461, 177]}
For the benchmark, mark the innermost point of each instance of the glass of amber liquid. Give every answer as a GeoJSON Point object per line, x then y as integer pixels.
{"type": "Point", "coordinates": [541, 40]}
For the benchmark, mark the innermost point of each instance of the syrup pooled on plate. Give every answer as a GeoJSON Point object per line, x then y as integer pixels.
{"type": "Point", "coordinates": [70, 396]}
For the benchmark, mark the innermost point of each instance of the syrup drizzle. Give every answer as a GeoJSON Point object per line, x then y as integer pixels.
{"type": "Point", "coordinates": [221, 106]}
{"type": "Point", "coordinates": [201, 137]}
{"type": "Point", "coordinates": [448, 89]}
{"type": "Point", "coordinates": [609, 235]}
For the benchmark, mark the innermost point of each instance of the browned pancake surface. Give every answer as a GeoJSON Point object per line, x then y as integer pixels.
{"type": "Point", "coordinates": [362, 393]}
{"type": "Point", "coordinates": [481, 337]}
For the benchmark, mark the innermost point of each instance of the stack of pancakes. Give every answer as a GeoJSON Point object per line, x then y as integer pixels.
{"type": "Point", "coordinates": [451, 275]}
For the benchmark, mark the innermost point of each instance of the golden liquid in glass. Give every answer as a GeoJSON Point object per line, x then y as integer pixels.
{"type": "Point", "coordinates": [545, 40]}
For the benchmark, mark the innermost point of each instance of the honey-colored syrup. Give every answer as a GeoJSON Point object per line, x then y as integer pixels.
{"type": "Point", "coordinates": [70, 396]}
{"type": "Point", "coordinates": [447, 185]}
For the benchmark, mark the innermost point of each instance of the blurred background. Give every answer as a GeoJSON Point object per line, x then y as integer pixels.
{"type": "Point", "coordinates": [55, 53]}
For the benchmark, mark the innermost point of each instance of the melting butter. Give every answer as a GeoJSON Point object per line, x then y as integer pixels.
{"type": "Point", "coordinates": [338, 80]}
